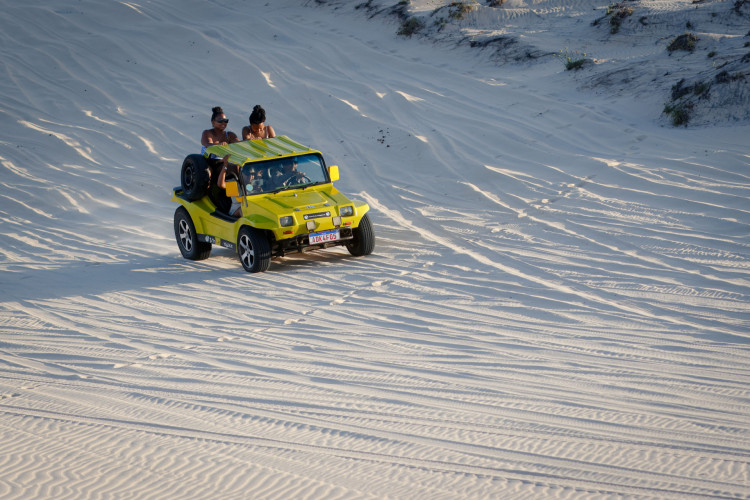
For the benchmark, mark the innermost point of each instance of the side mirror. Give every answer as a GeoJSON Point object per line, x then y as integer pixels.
{"type": "Point", "coordinates": [333, 172]}
{"type": "Point", "coordinates": [232, 188]}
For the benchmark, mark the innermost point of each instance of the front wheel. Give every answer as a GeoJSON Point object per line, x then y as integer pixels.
{"type": "Point", "coordinates": [187, 238]}
{"type": "Point", "coordinates": [363, 242]}
{"type": "Point", "coordinates": [253, 250]}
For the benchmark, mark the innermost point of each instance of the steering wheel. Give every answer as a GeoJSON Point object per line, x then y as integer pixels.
{"type": "Point", "coordinates": [299, 176]}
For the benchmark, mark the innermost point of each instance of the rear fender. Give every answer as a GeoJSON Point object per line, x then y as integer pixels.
{"type": "Point", "coordinates": [199, 210]}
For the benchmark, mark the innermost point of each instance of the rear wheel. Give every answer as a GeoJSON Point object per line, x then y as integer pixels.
{"type": "Point", "coordinates": [187, 238]}
{"type": "Point", "coordinates": [195, 177]}
{"type": "Point", "coordinates": [253, 250]}
{"type": "Point", "coordinates": [363, 242]}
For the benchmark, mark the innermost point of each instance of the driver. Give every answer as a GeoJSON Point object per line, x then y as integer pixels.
{"type": "Point", "coordinates": [289, 174]}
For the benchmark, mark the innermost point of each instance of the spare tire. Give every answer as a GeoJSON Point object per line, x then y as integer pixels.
{"type": "Point", "coordinates": [195, 177]}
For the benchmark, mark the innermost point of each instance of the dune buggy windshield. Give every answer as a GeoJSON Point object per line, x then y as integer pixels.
{"type": "Point", "coordinates": [284, 173]}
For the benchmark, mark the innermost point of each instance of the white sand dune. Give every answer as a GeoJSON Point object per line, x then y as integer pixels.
{"type": "Point", "coordinates": [558, 305]}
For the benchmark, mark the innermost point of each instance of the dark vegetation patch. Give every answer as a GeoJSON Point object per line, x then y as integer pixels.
{"type": "Point", "coordinates": [615, 15]}
{"type": "Point", "coordinates": [457, 10]}
{"type": "Point", "coordinates": [679, 113]}
{"type": "Point", "coordinates": [724, 89]}
{"type": "Point", "coordinates": [454, 11]}
{"type": "Point", "coordinates": [507, 48]}
{"type": "Point", "coordinates": [574, 61]}
{"type": "Point", "coordinates": [680, 89]}
{"type": "Point", "coordinates": [726, 77]}
{"type": "Point", "coordinates": [411, 26]}
{"type": "Point", "coordinates": [499, 42]}
{"type": "Point", "coordinates": [686, 42]}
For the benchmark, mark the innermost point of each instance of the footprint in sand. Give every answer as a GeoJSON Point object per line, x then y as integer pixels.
{"type": "Point", "coordinates": [125, 365]}
{"type": "Point", "coordinates": [159, 356]}
{"type": "Point", "coordinates": [343, 299]}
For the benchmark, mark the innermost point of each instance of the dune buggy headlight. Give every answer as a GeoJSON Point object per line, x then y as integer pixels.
{"type": "Point", "coordinates": [347, 211]}
{"type": "Point", "coordinates": [287, 220]}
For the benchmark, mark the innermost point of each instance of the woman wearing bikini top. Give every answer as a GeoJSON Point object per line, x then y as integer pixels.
{"type": "Point", "coordinates": [218, 134]}
{"type": "Point", "coordinates": [258, 128]}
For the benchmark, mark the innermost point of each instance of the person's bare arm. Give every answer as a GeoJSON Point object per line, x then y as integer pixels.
{"type": "Point", "coordinates": [221, 180]}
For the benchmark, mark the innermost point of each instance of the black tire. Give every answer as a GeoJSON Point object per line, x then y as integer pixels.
{"type": "Point", "coordinates": [194, 177]}
{"type": "Point", "coordinates": [253, 250]}
{"type": "Point", "coordinates": [187, 238]}
{"type": "Point", "coordinates": [363, 242]}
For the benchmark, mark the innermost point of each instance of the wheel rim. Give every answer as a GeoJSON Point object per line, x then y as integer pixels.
{"type": "Point", "coordinates": [247, 254]}
{"type": "Point", "coordinates": [186, 238]}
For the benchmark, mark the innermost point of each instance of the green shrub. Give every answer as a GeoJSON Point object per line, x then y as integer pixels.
{"type": "Point", "coordinates": [458, 10]}
{"type": "Point", "coordinates": [685, 42]}
{"type": "Point", "coordinates": [617, 13]}
{"type": "Point", "coordinates": [572, 60]}
{"type": "Point", "coordinates": [574, 64]}
{"type": "Point", "coordinates": [680, 89]}
{"type": "Point", "coordinates": [411, 26]}
{"type": "Point", "coordinates": [680, 113]}
{"type": "Point", "coordinates": [701, 88]}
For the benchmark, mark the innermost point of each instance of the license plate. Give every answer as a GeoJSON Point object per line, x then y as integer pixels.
{"type": "Point", "coordinates": [324, 237]}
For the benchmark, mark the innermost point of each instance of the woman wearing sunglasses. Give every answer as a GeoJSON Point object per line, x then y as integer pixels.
{"type": "Point", "coordinates": [218, 134]}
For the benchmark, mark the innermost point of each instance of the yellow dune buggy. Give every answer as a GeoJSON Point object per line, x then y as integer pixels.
{"type": "Point", "coordinates": [287, 200]}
